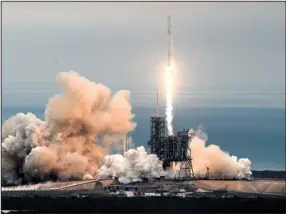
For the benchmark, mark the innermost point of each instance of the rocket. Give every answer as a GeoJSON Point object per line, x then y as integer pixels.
{"type": "Point", "coordinates": [169, 42]}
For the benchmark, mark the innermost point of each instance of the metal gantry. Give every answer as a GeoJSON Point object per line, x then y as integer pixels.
{"type": "Point", "coordinates": [157, 134]}
{"type": "Point", "coordinates": [170, 148]}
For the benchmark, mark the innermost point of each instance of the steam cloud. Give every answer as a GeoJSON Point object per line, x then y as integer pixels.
{"type": "Point", "coordinates": [136, 164]}
{"type": "Point", "coordinates": [221, 165]}
{"type": "Point", "coordinates": [80, 125]}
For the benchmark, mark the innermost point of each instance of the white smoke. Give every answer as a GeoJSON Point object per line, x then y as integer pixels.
{"type": "Point", "coordinates": [47, 185]}
{"type": "Point", "coordinates": [80, 125]}
{"type": "Point", "coordinates": [135, 165]}
{"type": "Point", "coordinates": [130, 144]}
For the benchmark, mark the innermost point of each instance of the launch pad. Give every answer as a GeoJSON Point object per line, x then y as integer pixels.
{"type": "Point", "coordinates": [171, 149]}
{"type": "Point", "coordinates": [162, 196]}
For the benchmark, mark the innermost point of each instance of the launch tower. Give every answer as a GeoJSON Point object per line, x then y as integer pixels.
{"type": "Point", "coordinates": [157, 132]}
{"type": "Point", "coordinates": [171, 148]}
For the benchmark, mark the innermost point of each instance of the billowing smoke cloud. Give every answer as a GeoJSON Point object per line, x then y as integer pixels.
{"type": "Point", "coordinates": [216, 163]}
{"type": "Point", "coordinates": [135, 165]}
{"type": "Point", "coordinates": [80, 125]}
{"type": "Point", "coordinates": [207, 160]}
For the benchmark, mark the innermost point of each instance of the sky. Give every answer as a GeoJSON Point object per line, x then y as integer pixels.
{"type": "Point", "coordinates": [226, 54]}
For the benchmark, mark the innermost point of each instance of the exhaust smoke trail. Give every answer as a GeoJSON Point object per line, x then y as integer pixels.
{"type": "Point", "coordinates": [169, 99]}
{"type": "Point", "coordinates": [169, 82]}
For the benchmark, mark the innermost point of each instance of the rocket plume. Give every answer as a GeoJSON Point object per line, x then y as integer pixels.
{"type": "Point", "coordinates": [169, 99]}
{"type": "Point", "coordinates": [169, 82]}
{"type": "Point", "coordinates": [80, 126]}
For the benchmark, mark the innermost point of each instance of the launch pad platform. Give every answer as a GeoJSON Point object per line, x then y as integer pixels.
{"type": "Point", "coordinates": [159, 195]}
{"type": "Point", "coordinates": [120, 204]}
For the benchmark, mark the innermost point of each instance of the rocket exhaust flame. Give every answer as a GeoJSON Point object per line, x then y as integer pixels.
{"type": "Point", "coordinates": [169, 99]}
{"type": "Point", "coordinates": [169, 82]}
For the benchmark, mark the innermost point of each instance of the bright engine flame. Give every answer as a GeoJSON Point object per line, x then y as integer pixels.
{"type": "Point", "coordinates": [169, 98]}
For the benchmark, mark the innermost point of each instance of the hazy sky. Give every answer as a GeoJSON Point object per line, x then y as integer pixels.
{"type": "Point", "coordinates": [226, 54]}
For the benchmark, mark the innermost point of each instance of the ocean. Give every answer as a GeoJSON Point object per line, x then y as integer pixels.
{"type": "Point", "coordinates": [254, 133]}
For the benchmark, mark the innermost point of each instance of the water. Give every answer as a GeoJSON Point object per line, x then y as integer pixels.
{"type": "Point", "coordinates": [258, 134]}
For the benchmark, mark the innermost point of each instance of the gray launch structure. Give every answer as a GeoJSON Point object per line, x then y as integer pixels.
{"type": "Point", "coordinates": [171, 148]}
